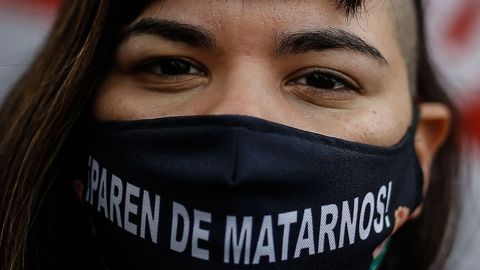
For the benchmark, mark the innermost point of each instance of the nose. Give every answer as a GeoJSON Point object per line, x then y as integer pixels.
{"type": "Point", "coordinates": [246, 90]}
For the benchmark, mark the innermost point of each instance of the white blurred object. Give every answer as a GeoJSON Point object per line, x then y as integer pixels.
{"type": "Point", "coordinates": [22, 30]}
{"type": "Point", "coordinates": [466, 251]}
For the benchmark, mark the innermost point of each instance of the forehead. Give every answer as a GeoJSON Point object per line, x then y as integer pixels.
{"type": "Point", "coordinates": [288, 11]}
{"type": "Point", "coordinates": [372, 21]}
{"type": "Point", "coordinates": [256, 25]}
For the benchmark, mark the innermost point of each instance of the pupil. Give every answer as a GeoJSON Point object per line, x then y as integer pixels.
{"type": "Point", "coordinates": [174, 67]}
{"type": "Point", "coordinates": [319, 80]}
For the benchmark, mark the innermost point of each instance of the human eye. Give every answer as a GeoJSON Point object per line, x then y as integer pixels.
{"type": "Point", "coordinates": [323, 87]}
{"type": "Point", "coordinates": [169, 67]}
{"type": "Point", "coordinates": [326, 81]}
{"type": "Point", "coordinates": [170, 73]}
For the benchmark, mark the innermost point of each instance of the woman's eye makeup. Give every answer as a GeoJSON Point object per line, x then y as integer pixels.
{"type": "Point", "coordinates": [324, 81]}
{"type": "Point", "coordinates": [169, 67]}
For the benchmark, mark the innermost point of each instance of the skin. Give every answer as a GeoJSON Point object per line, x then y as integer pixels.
{"type": "Point", "coordinates": [244, 75]}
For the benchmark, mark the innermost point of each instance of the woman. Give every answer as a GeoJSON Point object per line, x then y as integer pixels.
{"type": "Point", "coordinates": [327, 134]}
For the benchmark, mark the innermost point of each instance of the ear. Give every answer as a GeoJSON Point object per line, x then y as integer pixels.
{"type": "Point", "coordinates": [433, 128]}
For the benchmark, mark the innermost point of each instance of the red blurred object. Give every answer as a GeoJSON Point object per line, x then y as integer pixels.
{"type": "Point", "coordinates": [463, 25]}
{"type": "Point", "coordinates": [471, 119]}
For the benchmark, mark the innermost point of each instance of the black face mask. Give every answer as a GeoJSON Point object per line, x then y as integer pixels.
{"type": "Point", "coordinates": [234, 192]}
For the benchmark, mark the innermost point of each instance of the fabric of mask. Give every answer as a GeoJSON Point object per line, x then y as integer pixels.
{"type": "Point", "coordinates": [238, 192]}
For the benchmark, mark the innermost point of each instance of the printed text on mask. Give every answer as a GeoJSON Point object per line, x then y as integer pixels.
{"type": "Point", "coordinates": [139, 212]}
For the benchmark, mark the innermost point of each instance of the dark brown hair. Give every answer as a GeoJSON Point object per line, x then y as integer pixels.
{"type": "Point", "coordinates": [42, 117]}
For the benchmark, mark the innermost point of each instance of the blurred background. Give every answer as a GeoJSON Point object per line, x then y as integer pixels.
{"type": "Point", "coordinates": [453, 31]}
{"type": "Point", "coordinates": [453, 28]}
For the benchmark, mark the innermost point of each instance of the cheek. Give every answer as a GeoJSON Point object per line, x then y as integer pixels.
{"type": "Point", "coordinates": [389, 113]}
{"type": "Point", "coordinates": [384, 119]}
{"type": "Point", "coordinates": [120, 97]}
{"type": "Point", "coordinates": [376, 126]}
{"type": "Point", "coordinates": [114, 100]}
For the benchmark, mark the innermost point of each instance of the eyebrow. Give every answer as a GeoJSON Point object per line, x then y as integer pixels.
{"type": "Point", "coordinates": [289, 43]}
{"type": "Point", "coordinates": [326, 39]}
{"type": "Point", "coordinates": [191, 35]}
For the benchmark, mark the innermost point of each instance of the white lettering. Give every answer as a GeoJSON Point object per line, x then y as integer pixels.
{"type": "Point", "coordinates": [378, 222]}
{"type": "Point", "coordinates": [243, 242]}
{"type": "Point", "coordinates": [116, 194]}
{"type": "Point", "coordinates": [179, 210]}
{"type": "Point", "coordinates": [348, 221]}
{"type": "Point", "coordinates": [327, 228]}
{"type": "Point", "coordinates": [89, 177]}
{"type": "Point", "coordinates": [266, 233]}
{"type": "Point", "coordinates": [94, 179]}
{"type": "Point", "coordinates": [102, 194]}
{"type": "Point", "coordinates": [285, 220]}
{"type": "Point", "coordinates": [367, 201]}
{"type": "Point", "coordinates": [200, 234]}
{"type": "Point", "coordinates": [151, 216]}
{"type": "Point", "coordinates": [130, 208]}
{"type": "Point", "coordinates": [307, 242]}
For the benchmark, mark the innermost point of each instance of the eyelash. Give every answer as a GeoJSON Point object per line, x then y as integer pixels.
{"type": "Point", "coordinates": [150, 65]}
{"type": "Point", "coordinates": [337, 79]}
{"type": "Point", "coordinates": [329, 76]}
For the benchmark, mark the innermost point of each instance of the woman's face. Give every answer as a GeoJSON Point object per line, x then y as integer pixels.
{"type": "Point", "coordinates": [299, 63]}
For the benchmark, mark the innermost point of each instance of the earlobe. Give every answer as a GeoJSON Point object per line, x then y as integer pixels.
{"type": "Point", "coordinates": [433, 128]}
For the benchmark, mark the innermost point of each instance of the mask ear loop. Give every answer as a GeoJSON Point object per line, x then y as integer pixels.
{"type": "Point", "coordinates": [379, 259]}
